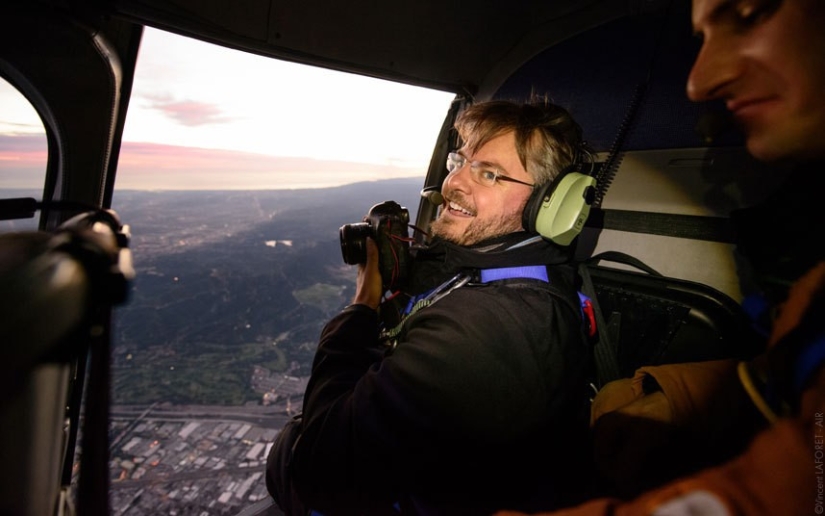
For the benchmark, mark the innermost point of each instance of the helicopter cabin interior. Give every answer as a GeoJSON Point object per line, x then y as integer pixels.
{"type": "Point", "coordinates": [669, 173]}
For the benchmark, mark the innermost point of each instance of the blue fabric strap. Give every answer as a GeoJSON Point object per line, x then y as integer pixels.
{"type": "Point", "coordinates": [809, 361]}
{"type": "Point", "coordinates": [538, 272]}
{"type": "Point", "coordinates": [415, 303]}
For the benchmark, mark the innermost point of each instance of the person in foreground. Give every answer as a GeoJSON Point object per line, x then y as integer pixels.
{"type": "Point", "coordinates": [461, 410]}
{"type": "Point", "coordinates": [756, 427]}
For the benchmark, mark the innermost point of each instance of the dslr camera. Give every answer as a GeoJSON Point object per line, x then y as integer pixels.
{"type": "Point", "coordinates": [387, 223]}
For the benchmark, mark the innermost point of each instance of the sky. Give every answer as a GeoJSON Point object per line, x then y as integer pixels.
{"type": "Point", "coordinates": [202, 116]}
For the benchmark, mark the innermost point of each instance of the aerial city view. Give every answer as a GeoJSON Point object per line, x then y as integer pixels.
{"type": "Point", "coordinates": [211, 354]}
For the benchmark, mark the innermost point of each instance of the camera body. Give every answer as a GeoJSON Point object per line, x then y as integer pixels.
{"type": "Point", "coordinates": [386, 223]}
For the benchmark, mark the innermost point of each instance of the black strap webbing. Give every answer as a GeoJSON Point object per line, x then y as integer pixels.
{"type": "Point", "coordinates": [604, 351]}
{"type": "Point", "coordinates": [695, 227]}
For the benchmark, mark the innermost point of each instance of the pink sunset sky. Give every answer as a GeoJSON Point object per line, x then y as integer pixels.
{"type": "Point", "coordinates": [205, 117]}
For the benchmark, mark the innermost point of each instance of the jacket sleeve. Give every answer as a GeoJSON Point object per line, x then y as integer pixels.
{"type": "Point", "coordinates": [279, 482]}
{"type": "Point", "coordinates": [692, 416]}
{"type": "Point", "coordinates": [695, 394]}
{"type": "Point", "coordinates": [458, 381]}
{"type": "Point", "coordinates": [781, 472]}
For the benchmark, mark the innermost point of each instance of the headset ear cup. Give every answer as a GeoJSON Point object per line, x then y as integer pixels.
{"type": "Point", "coordinates": [534, 203]}
{"type": "Point", "coordinates": [559, 210]}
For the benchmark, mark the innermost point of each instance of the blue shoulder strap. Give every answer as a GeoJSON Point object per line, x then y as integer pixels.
{"type": "Point", "coordinates": [538, 272]}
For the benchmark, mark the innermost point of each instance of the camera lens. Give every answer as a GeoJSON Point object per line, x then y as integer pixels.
{"type": "Point", "coordinates": [354, 242]}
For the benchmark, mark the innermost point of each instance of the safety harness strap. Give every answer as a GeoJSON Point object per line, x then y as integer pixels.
{"type": "Point", "coordinates": [534, 272]}
{"type": "Point", "coordinates": [538, 272]}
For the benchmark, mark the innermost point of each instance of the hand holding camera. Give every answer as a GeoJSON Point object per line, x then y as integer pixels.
{"type": "Point", "coordinates": [369, 289]}
{"type": "Point", "coordinates": [387, 224]}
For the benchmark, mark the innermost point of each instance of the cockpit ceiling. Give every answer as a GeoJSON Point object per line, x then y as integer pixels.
{"type": "Point", "coordinates": [589, 55]}
{"type": "Point", "coordinates": [453, 45]}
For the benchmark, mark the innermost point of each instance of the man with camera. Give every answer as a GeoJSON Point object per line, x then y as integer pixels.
{"type": "Point", "coordinates": [467, 391]}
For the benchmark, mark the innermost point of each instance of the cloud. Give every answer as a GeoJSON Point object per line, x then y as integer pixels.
{"type": "Point", "coordinates": [169, 167]}
{"type": "Point", "coordinates": [190, 113]}
{"type": "Point", "coordinates": [23, 127]}
{"type": "Point", "coordinates": [23, 159]}
{"type": "Point", "coordinates": [23, 146]}
{"type": "Point", "coordinates": [151, 166]}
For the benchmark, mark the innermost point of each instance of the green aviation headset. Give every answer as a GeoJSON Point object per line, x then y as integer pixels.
{"type": "Point", "coordinates": [558, 209]}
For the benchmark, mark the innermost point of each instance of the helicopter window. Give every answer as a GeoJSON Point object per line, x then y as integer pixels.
{"type": "Point", "coordinates": [23, 153]}
{"type": "Point", "coordinates": [235, 174]}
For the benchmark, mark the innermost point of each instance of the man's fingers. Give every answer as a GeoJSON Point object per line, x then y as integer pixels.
{"type": "Point", "coordinates": [372, 251]}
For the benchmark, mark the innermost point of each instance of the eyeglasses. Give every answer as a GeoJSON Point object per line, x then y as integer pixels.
{"type": "Point", "coordinates": [479, 171]}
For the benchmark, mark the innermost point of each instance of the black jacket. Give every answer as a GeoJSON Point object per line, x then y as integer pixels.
{"type": "Point", "coordinates": [481, 404]}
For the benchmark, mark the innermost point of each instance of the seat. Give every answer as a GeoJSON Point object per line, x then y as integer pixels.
{"type": "Point", "coordinates": [56, 293]}
{"type": "Point", "coordinates": [645, 318]}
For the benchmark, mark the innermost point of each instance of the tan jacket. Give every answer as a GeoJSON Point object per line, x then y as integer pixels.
{"type": "Point", "coordinates": [780, 469]}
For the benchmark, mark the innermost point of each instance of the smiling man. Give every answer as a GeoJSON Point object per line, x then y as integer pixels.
{"type": "Point", "coordinates": [766, 60]}
{"type": "Point", "coordinates": [453, 396]}
{"type": "Point", "coordinates": [474, 214]}
{"type": "Point", "coordinates": [756, 428]}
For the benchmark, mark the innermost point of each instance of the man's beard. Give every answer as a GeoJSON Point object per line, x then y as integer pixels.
{"type": "Point", "coordinates": [478, 230]}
